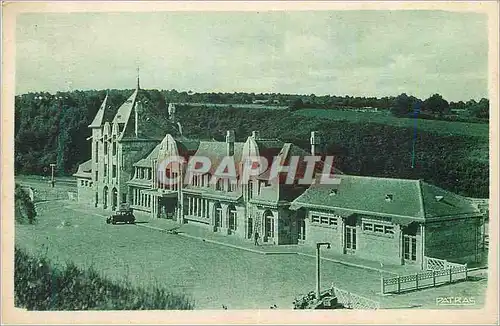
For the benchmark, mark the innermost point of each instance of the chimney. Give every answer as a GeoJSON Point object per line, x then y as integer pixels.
{"type": "Point", "coordinates": [315, 143]}
{"type": "Point", "coordinates": [171, 111]}
{"type": "Point", "coordinates": [230, 142]}
{"type": "Point", "coordinates": [255, 135]}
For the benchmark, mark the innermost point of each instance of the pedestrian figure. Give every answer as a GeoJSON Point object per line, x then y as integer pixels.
{"type": "Point", "coordinates": [256, 238]}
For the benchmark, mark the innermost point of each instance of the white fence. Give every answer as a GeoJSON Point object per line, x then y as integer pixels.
{"type": "Point", "coordinates": [353, 301]}
{"type": "Point", "coordinates": [437, 272]}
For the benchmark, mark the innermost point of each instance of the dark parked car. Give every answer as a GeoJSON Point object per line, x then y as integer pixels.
{"type": "Point", "coordinates": [123, 215]}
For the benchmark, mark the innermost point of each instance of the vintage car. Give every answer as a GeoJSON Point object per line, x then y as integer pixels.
{"type": "Point", "coordinates": [123, 215]}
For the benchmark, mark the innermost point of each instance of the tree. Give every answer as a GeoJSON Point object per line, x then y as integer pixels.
{"type": "Point", "coordinates": [482, 109]}
{"type": "Point", "coordinates": [297, 104]}
{"type": "Point", "coordinates": [437, 105]}
{"type": "Point", "coordinates": [404, 104]}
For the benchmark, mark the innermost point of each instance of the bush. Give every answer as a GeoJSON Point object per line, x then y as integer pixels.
{"type": "Point", "coordinates": [38, 285]}
{"type": "Point", "coordinates": [24, 208]}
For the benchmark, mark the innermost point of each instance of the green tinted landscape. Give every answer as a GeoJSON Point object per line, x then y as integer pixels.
{"type": "Point", "coordinates": [435, 126]}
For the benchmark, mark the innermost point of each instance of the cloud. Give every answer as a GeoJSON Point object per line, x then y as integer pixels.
{"type": "Point", "coordinates": [360, 53]}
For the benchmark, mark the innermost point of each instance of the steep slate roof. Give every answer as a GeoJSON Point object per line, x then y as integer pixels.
{"type": "Point", "coordinates": [151, 125]}
{"type": "Point", "coordinates": [99, 117]}
{"type": "Point", "coordinates": [84, 170]}
{"type": "Point", "coordinates": [184, 145]}
{"type": "Point", "coordinates": [145, 162]}
{"type": "Point", "coordinates": [125, 110]}
{"type": "Point", "coordinates": [216, 151]}
{"type": "Point", "coordinates": [412, 199]}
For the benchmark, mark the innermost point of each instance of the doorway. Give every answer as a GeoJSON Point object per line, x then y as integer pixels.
{"type": "Point", "coordinates": [250, 228]}
{"type": "Point", "coordinates": [268, 226]}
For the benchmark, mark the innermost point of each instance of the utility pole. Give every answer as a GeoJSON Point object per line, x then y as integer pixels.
{"type": "Point", "coordinates": [318, 271]}
{"type": "Point", "coordinates": [52, 166]}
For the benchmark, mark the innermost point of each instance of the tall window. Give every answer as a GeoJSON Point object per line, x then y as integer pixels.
{"type": "Point", "coordinates": [219, 185]}
{"type": "Point", "coordinates": [96, 175]}
{"type": "Point", "coordinates": [105, 170]}
{"type": "Point", "coordinates": [302, 229]}
{"type": "Point", "coordinates": [113, 171]}
{"type": "Point", "coordinates": [114, 148]}
{"type": "Point", "coordinates": [218, 215]}
{"type": "Point", "coordinates": [250, 189]}
{"type": "Point", "coordinates": [105, 148]}
{"type": "Point", "coordinates": [232, 185]}
{"type": "Point", "coordinates": [232, 218]}
{"type": "Point", "coordinates": [96, 150]}
{"type": "Point", "coordinates": [410, 247]}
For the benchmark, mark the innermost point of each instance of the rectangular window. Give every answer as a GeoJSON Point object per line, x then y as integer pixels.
{"type": "Point", "coordinates": [96, 175]}
{"type": "Point", "coordinates": [82, 182]}
{"type": "Point", "coordinates": [378, 228]}
{"type": "Point", "coordinates": [324, 219]}
{"type": "Point", "coordinates": [113, 170]}
{"type": "Point", "coordinates": [333, 221]}
{"type": "Point", "coordinates": [315, 218]}
{"type": "Point", "coordinates": [367, 227]}
{"type": "Point", "coordinates": [388, 229]}
{"type": "Point", "coordinates": [105, 170]}
{"type": "Point", "coordinates": [114, 148]}
{"type": "Point", "coordinates": [105, 148]}
{"type": "Point", "coordinates": [410, 247]}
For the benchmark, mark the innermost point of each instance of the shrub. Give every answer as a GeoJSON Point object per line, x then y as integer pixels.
{"type": "Point", "coordinates": [24, 207]}
{"type": "Point", "coordinates": [39, 285]}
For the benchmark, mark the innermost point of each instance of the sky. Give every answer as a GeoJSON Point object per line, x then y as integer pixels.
{"type": "Point", "coordinates": [356, 53]}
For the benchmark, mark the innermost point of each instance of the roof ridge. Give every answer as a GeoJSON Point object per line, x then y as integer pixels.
{"type": "Point", "coordinates": [99, 116]}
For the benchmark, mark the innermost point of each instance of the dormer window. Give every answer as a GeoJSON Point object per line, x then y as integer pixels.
{"type": "Point", "coordinates": [439, 198]}
{"type": "Point", "coordinates": [333, 192]}
{"type": "Point", "coordinates": [389, 197]}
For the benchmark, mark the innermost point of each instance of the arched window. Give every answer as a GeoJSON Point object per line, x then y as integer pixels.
{"type": "Point", "coordinates": [219, 185]}
{"type": "Point", "coordinates": [233, 217]}
{"type": "Point", "coordinates": [218, 215]}
{"type": "Point", "coordinates": [269, 225]}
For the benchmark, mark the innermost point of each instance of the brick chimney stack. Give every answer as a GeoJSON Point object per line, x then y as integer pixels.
{"type": "Point", "coordinates": [230, 138]}
{"type": "Point", "coordinates": [315, 143]}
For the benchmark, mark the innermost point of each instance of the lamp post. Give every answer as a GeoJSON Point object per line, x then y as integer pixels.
{"type": "Point", "coordinates": [318, 273]}
{"type": "Point", "coordinates": [52, 166]}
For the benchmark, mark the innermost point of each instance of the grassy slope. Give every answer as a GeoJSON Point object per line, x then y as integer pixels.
{"type": "Point", "coordinates": [435, 126]}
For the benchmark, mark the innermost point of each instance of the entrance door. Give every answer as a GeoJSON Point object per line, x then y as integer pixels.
{"type": "Point", "coordinates": [269, 228]}
{"type": "Point", "coordinates": [250, 228]}
{"type": "Point", "coordinates": [410, 248]}
{"type": "Point", "coordinates": [350, 239]}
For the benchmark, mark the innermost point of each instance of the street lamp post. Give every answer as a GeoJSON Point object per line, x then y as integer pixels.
{"type": "Point", "coordinates": [52, 165]}
{"type": "Point", "coordinates": [318, 272]}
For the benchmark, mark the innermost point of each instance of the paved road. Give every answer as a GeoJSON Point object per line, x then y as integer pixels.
{"type": "Point", "coordinates": [211, 274]}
